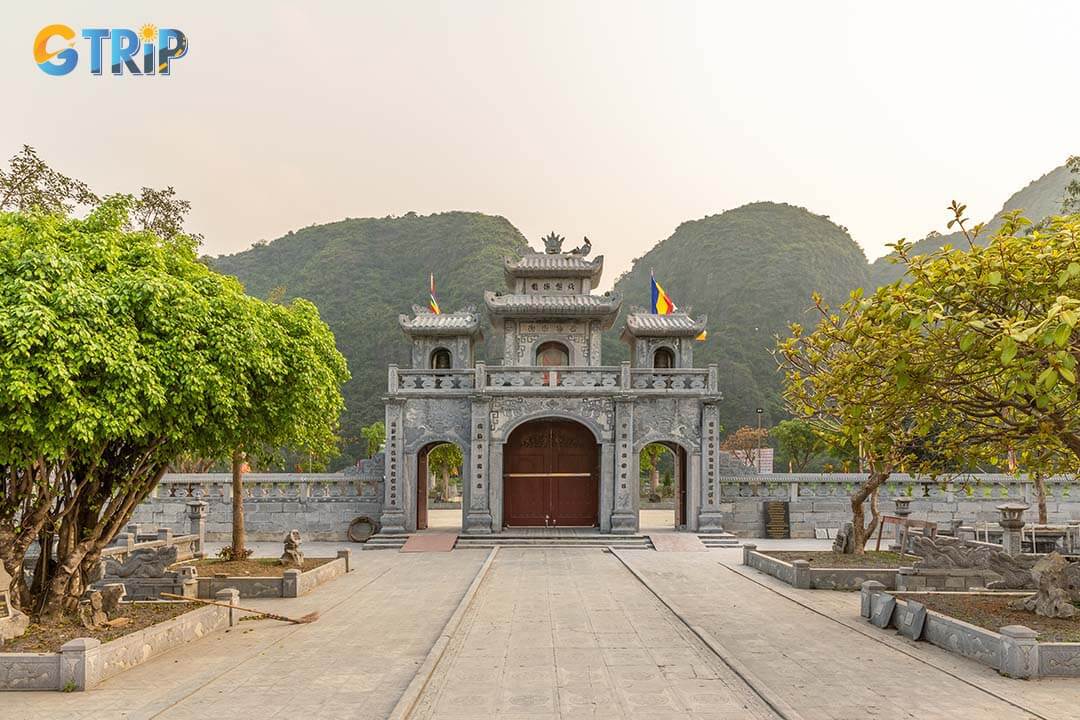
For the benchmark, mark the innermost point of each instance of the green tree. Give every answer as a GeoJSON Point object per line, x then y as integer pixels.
{"type": "Point", "coordinates": [374, 436]}
{"type": "Point", "coordinates": [744, 444]}
{"type": "Point", "coordinates": [444, 461]}
{"type": "Point", "coordinates": [121, 352]}
{"type": "Point", "coordinates": [28, 184]}
{"type": "Point", "coordinates": [798, 442]}
{"type": "Point", "coordinates": [650, 462]}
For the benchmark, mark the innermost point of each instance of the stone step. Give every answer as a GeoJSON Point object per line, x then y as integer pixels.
{"type": "Point", "coordinates": [718, 540]}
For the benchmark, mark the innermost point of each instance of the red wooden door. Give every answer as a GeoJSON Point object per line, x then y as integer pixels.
{"type": "Point", "coordinates": [550, 476]}
{"type": "Point", "coordinates": [422, 489]}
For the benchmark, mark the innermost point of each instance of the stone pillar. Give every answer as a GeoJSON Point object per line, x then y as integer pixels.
{"type": "Point", "coordinates": [290, 583]}
{"type": "Point", "coordinates": [747, 548]}
{"type": "Point", "coordinates": [80, 664]}
{"type": "Point", "coordinates": [197, 524]}
{"type": "Point", "coordinates": [392, 519]}
{"type": "Point", "coordinates": [802, 574]}
{"type": "Point", "coordinates": [1019, 651]}
{"type": "Point", "coordinates": [164, 534]}
{"type": "Point", "coordinates": [710, 518]}
{"type": "Point", "coordinates": [1012, 525]}
{"type": "Point", "coordinates": [619, 470]}
{"type": "Point", "coordinates": [483, 468]}
{"type": "Point", "coordinates": [232, 597]}
{"type": "Point", "coordinates": [347, 556]}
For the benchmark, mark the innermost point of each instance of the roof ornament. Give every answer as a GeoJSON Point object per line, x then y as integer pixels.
{"type": "Point", "coordinates": [553, 243]}
{"type": "Point", "coordinates": [584, 249]}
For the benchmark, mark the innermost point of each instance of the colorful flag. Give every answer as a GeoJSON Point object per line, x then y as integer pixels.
{"type": "Point", "coordinates": [661, 303]}
{"type": "Point", "coordinates": [703, 336]}
{"type": "Point", "coordinates": [434, 304]}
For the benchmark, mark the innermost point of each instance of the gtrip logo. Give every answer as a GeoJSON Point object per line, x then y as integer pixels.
{"type": "Point", "coordinates": [150, 51]}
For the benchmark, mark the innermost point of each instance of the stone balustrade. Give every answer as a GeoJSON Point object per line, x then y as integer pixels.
{"type": "Point", "coordinates": [591, 380]}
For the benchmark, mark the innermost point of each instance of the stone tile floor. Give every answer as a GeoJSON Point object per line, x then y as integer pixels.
{"type": "Point", "coordinates": [572, 634]}
{"type": "Point", "coordinates": [828, 662]}
{"type": "Point", "coordinates": [377, 624]}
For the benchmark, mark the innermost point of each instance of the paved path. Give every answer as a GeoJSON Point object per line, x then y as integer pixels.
{"type": "Point", "coordinates": [572, 634]}
{"type": "Point", "coordinates": [815, 651]}
{"type": "Point", "coordinates": [376, 627]}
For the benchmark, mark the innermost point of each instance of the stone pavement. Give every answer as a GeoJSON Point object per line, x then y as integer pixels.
{"type": "Point", "coordinates": [377, 624]}
{"type": "Point", "coordinates": [572, 634]}
{"type": "Point", "coordinates": [828, 662]}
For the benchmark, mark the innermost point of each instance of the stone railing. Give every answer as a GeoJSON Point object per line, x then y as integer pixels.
{"type": "Point", "coordinates": [981, 486]}
{"type": "Point", "coordinates": [284, 486]}
{"type": "Point", "coordinates": [527, 379]}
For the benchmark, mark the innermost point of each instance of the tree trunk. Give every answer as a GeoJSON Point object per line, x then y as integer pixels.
{"type": "Point", "coordinates": [238, 538]}
{"type": "Point", "coordinates": [654, 479]}
{"type": "Point", "coordinates": [444, 480]}
{"type": "Point", "coordinates": [860, 531]}
{"type": "Point", "coordinates": [1040, 493]}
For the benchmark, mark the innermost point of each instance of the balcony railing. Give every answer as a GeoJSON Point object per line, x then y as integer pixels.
{"type": "Point", "coordinates": [501, 379]}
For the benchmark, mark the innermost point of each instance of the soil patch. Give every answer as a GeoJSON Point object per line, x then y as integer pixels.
{"type": "Point", "coordinates": [49, 638]}
{"type": "Point", "coordinates": [992, 613]}
{"type": "Point", "coordinates": [252, 567]}
{"type": "Point", "coordinates": [829, 559]}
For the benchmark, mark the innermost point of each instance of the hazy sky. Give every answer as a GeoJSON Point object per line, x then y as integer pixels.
{"type": "Point", "coordinates": [614, 119]}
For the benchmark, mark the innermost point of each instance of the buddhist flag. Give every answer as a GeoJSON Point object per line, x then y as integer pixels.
{"type": "Point", "coordinates": [433, 303]}
{"type": "Point", "coordinates": [661, 303]}
{"type": "Point", "coordinates": [703, 336]}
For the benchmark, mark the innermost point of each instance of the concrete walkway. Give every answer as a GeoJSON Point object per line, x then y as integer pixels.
{"type": "Point", "coordinates": [572, 634]}
{"type": "Point", "coordinates": [815, 651]}
{"type": "Point", "coordinates": [376, 627]}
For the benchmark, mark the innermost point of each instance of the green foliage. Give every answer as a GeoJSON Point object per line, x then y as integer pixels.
{"type": "Point", "coordinates": [30, 184]}
{"type": "Point", "coordinates": [121, 352]}
{"type": "Point", "coordinates": [797, 443]}
{"type": "Point", "coordinates": [363, 273]}
{"type": "Point", "coordinates": [229, 554]}
{"type": "Point", "coordinates": [445, 458]}
{"type": "Point", "coordinates": [375, 435]}
{"type": "Point", "coordinates": [752, 271]}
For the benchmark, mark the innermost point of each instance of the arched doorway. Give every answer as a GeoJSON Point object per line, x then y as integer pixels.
{"type": "Point", "coordinates": [438, 477]}
{"type": "Point", "coordinates": [663, 466]}
{"type": "Point", "coordinates": [551, 475]}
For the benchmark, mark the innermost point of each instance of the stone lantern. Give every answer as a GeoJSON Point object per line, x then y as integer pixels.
{"type": "Point", "coordinates": [1012, 523]}
{"type": "Point", "coordinates": [903, 506]}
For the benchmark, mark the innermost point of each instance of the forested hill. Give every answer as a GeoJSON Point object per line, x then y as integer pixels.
{"type": "Point", "coordinates": [752, 270]}
{"type": "Point", "coordinates": [362, 273]}
{"type": "Point", "coordinates": [1040, 199]}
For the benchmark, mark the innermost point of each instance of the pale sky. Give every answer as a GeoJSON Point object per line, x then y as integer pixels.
{"type": "Point", "coordinates": [616, 119]}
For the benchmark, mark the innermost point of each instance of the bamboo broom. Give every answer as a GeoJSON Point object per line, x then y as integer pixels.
{"type": "Point", "coordinates": [309, 618]}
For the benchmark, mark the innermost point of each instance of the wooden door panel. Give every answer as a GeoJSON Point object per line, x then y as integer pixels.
{"type": "Point", "coordinates": [527, 500]}
{"type": "Point", "coordinates": [550, 475]}
{"type": "Point", "coordinates": [576, 501]}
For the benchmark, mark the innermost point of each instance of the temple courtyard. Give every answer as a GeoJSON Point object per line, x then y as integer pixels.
{"type": "Point", "coordinates": [558, 633]}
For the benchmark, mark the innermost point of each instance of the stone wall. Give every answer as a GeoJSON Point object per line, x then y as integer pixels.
{"type": "Point", "coordinates": [821, 501]}
{"type": "Point", "coordinates": [321, 506]}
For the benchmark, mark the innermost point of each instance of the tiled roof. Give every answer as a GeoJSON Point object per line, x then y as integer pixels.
{"type": "Point", "coordinates": [455, 323]}
{"type": "Point", "coordinates": [515, 304]}
{"type": "Point", "coordinates": [677, 324]}
{"type": "Point", "coordinates": [561, 265]}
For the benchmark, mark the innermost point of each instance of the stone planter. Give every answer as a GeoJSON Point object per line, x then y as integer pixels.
{"type": "Point", "coordinates": [1013, 650]}
{"type": "Point", "coordinates": [83, 663]}
{"type": "Point", "coordinates": [799, 573]}
{"type": "Point", "coordinates": [292, 583]}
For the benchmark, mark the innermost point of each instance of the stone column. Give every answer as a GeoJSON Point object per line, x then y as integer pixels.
{"type": "Point", "coordinates": [482, 470]}
{"type": "Point", "coordinates": [232, 597]}
{"type": "Point", "coordinates": [80, 664]}
{"type": "Point", "coordinates": [1019, 651]}
{"type": "Point", "coordinates": [709, 518]}
{"type": "Point", "coordinates": [196, 512]}
{"type": "Point", "coordinates": [619, 470]}
{"type": "Point", "coordinates": [290, 583]}
{"type": "Point", "coordinates": [393, 515]}
{"type": "Point", "coordinates": [1012, 525]}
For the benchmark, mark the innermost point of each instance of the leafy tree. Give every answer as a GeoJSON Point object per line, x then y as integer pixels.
{"type": "Point", "coordinates": [649, 461]}
{"type": "Point", "coordinates": [744, 444]}
{"type": "Point", "coordinates": [120, 353]}
{"type": "Point", "coordinates": [444, 461]}
{"type": "Point", "coordinates": [375, 436]}
{"type": "Point", "coordinates": [798, 442]}
{"type": "Point", "coordinates": [29, 184]}
{"type": "Point", "coordinates": [160, 212]}
{"type": "Point", "coordinates": [843, 382]}
{"type": "Point", "coordinates": [1071, 202]}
